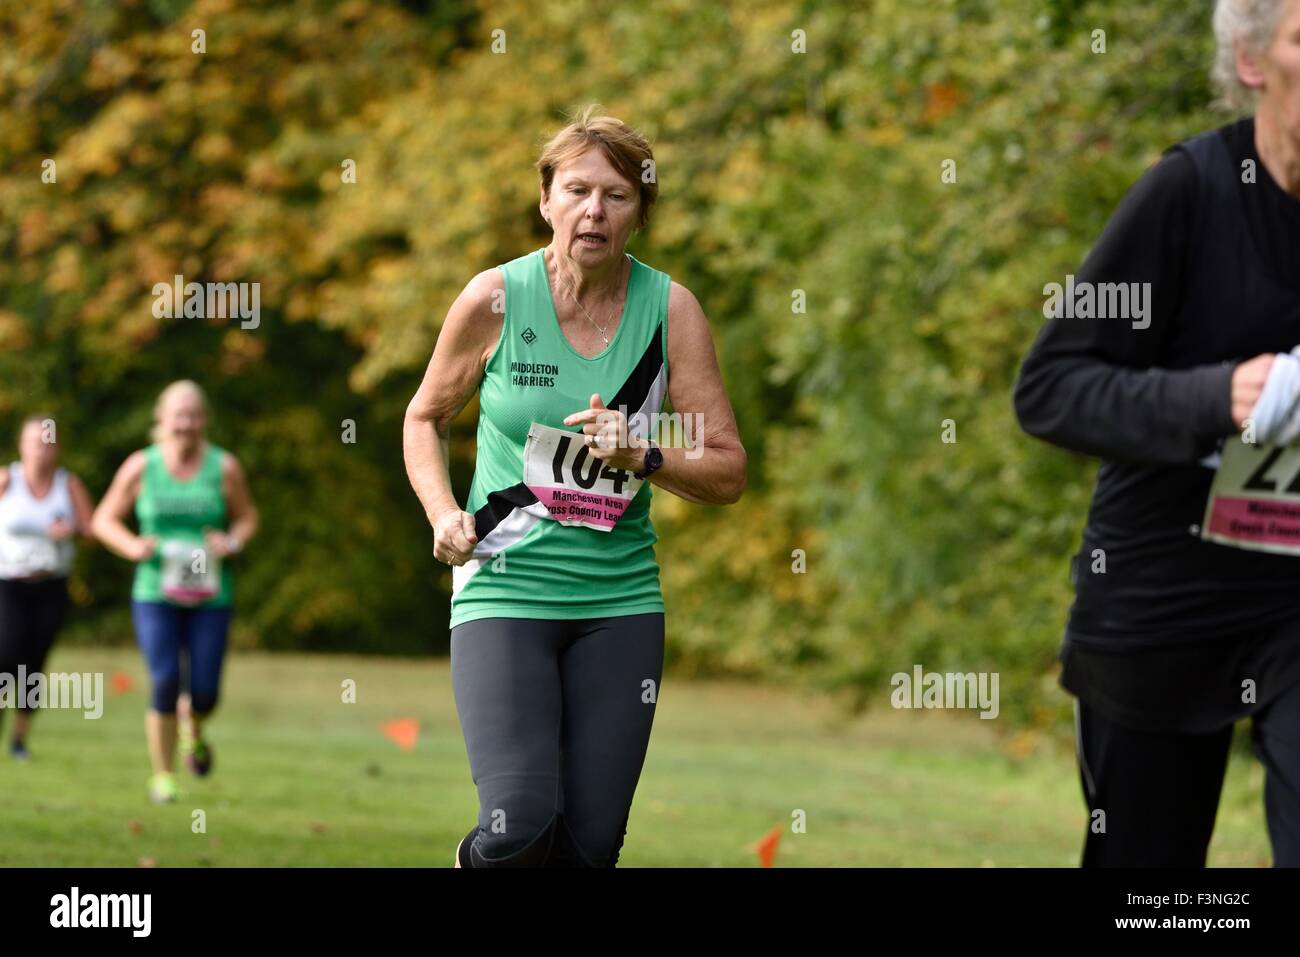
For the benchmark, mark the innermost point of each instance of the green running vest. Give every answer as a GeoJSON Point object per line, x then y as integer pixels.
{"type": "Point", "coordinates": [176, 510]}
{"type": "Point", "coordinates": [525, 564]}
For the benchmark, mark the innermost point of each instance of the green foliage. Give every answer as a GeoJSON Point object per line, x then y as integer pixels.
{"type": "Point", "coordinates": [210, 166]}
{"type": "Point", "coordinates": [779, 171]}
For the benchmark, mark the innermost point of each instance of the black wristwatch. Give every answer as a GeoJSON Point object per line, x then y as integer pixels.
{"type": "Point", "coordinates": [653, 459]}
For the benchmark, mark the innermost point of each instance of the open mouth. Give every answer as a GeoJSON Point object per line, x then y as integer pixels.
{"type": "Point", "coordinates": [591, 239]}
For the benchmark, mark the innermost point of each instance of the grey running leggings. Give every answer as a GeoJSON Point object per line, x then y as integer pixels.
{"type": "Point", "coordinates": [556, 717]}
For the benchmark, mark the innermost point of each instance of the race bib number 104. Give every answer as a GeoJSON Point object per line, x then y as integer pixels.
{"type": "Point", "coordinates": [575, 487]}
{"type": "Point", "coordinates": [1254, 502]}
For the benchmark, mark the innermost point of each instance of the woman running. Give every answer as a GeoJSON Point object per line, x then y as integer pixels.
{"type": "Point", "coordinates": [42, 507]}
{"type": "Point", "coordinates": [1187, 615]}
{"type": "Point", "coordinates": [557, 620]}
{"type": "Point", "coordinates": [183, 491]}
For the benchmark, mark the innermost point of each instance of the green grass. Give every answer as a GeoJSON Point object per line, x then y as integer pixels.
{"type": "Point", "coordinates": [305, 780]}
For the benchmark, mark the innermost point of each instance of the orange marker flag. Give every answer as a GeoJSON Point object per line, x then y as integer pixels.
{"type": "Point", "coordinates": [122, 682]}
{"type": "Point", "coordinates": [402, 732]}
{"type": "Point", "coordinates": [767, 846]}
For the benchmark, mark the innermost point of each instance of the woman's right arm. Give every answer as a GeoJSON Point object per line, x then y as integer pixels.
{"type": "Point", "coordinates": [109, 521]}
{"type": "Point", "coordinates": [465, 343]}
{"type": "Point", "coordinates": [1099, 386]}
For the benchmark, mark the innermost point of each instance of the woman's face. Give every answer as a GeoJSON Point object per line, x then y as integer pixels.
{"type": "Point", "coordinates": [34, 451]}
{"type": "Point", "coordinates": [589, 196]}
{"type": "Point", "coordinates": [1278, 73]}
{"type": "Point", "coordinates": [183, 418]}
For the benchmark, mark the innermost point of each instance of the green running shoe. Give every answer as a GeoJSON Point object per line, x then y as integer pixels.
{"type": "Point", "coordinates": [163, 788]}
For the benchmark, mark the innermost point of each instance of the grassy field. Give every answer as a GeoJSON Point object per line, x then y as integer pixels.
{"type": "Point", "coordinates": [305, 780]}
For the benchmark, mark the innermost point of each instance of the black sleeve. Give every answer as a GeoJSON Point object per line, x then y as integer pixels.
{"type": "Point", "coordinates": [1096, 386]}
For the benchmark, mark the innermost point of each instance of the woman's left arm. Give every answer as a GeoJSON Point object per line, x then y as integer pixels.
{"type": "Point", "coordinates": [239, 502]}
{"type": "Point", "coordinates": [83, 507]}
{"type": "Point", "coordinates": [713, 471]}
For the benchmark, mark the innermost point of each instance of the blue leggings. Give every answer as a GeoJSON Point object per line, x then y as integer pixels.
{"type": "Point", "coordinates": [162, 630]}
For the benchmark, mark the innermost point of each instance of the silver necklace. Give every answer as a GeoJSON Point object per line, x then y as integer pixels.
{"type": "Point", "coordinates": [584, 308]}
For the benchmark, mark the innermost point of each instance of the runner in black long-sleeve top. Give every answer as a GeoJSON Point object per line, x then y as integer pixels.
{"type": "Point", "coordinates": [1180, 626]}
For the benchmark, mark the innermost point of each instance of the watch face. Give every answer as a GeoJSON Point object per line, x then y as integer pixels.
{"type": "Point", "coordinates": [654, 458]}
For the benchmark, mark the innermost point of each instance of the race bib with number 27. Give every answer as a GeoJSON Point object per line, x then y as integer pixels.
{"type": "Point", "coordinates": [1254, 502]}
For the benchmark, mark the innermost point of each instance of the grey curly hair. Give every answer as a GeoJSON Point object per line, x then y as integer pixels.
{"type": "Point", "coordinates": [1253, 23]}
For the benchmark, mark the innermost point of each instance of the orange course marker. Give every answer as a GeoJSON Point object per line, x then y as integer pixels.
{"type": "Point", "coordinates": [767, 846]}
{"type": "Point", "coordinates": [121, 682]}
{"type": "Point", "coordinates": [402, 732]}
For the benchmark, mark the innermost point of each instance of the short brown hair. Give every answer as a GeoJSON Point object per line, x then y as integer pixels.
{"type": "Point", "coordinates": [626, 149]}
